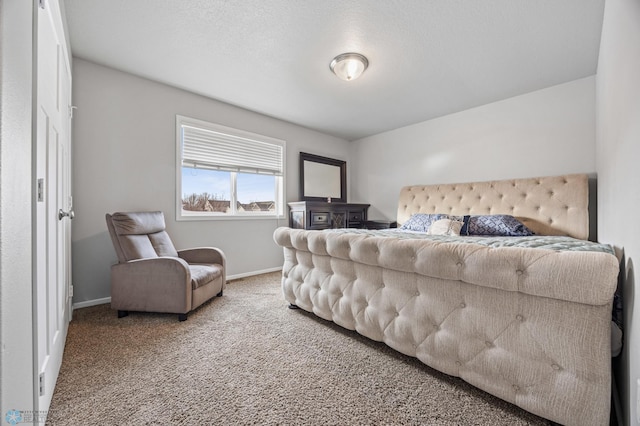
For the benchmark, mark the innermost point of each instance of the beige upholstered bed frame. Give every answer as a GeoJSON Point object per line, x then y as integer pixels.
{"type": "Point", "coordinates": [531, 326]}
{"type": "Point", "coordinates": [557, 205]}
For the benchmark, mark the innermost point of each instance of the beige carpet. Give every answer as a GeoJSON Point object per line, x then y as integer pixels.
{"type": "Point", "coordinates": [245, 359]}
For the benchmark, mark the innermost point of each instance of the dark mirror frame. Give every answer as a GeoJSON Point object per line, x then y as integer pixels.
{"type": "Point", "coordinates": [342, 165]}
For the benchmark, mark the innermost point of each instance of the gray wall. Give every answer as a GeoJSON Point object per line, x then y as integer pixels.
{"type": "Point", "coordinates": [124, 159]}
{"type": "Point", "coordinates": [543, 133]}
{"type": "Point", "coordinates": [618, 156]}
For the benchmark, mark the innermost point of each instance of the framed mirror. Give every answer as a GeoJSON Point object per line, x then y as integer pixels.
{"type": "Point", "coordinates": [322, 178]}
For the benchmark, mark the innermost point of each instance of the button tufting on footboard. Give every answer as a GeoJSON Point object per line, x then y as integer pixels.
{"type": "Point", "coordinates": [413, 296]}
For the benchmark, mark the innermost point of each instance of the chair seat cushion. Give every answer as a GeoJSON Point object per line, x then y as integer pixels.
{"type": "Point", "coordinates": [202, 274]}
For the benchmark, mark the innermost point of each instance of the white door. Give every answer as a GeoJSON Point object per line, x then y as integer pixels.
{"type": "Point", "coordinates": [53, 204]}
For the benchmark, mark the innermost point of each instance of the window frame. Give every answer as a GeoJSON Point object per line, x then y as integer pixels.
{"type": "Point", "coordinates": [235, 215]}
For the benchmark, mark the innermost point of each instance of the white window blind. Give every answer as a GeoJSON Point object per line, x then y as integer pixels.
{"type": "Point", "coordinates": [210, 149]}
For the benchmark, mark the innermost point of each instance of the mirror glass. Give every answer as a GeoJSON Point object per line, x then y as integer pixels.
{"type": "Point", "coordinates": [322, 178]}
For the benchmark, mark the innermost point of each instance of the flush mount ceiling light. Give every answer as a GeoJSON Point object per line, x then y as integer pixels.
{"type": "Point", "coordinates": [349, 66]}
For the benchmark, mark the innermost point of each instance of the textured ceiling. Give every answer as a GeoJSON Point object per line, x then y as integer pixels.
{"type": "Point", "coordinates": [427, 58]}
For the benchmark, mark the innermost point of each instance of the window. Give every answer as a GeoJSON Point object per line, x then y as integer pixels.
{"type": "Point", "coordinates": [227, 173]}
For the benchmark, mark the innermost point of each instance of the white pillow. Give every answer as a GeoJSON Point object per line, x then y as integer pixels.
{"type": "Point", "coordinates": [445, 227]}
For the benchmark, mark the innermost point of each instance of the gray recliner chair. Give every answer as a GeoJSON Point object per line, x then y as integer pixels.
{"type": "Point", "coordinates": [152, 276]}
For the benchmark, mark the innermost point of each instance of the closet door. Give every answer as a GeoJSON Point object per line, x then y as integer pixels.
{"type": "Point", "coordinates": [52, 290]}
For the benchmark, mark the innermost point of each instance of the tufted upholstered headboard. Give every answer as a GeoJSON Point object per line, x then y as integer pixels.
{"type": "Point", "coordinates": [556, 205]}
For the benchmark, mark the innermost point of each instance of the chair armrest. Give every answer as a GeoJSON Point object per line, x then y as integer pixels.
{"type": "Point", "coordinates": [161, 284]}
{"type": "Point", "coordinates": [176, 270]}
{"type": "Point", "coordinates": [203, 255]}
{"type": "Point", "coordinates": [208, 255]}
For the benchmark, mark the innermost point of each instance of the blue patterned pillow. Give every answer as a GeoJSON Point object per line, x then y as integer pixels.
{"type": "Point", "coordinates": [497, 224]}
{"type": "Point", "coordinates": [421, 222]}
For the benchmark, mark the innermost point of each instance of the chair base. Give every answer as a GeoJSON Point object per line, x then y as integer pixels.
{"type": "Point", "coordinates": [122, 314]}
{"type": "Point", "coordinates": [292, 306]}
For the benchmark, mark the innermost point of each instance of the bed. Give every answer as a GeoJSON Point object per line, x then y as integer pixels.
{"type": "Point", "coordinates": [527, 319]}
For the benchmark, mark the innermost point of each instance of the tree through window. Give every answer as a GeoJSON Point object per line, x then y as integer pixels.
{"type": "Point", "coordinates": [225, 172]}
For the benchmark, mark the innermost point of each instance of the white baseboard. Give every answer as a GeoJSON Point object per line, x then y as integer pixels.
{"type": "Point", "coordinates": [93, 302]}
{"type": "Point", "coordinates": [104, 300]}
{"type": "Point", "coordinates": [250, 274]}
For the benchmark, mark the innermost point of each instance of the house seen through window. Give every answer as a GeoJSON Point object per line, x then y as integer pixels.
{"type": "Point", "coordinates": [227, 173]}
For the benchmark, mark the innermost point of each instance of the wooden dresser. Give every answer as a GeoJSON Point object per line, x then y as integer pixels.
{"type": "Point", "coordinates": [323, 215]}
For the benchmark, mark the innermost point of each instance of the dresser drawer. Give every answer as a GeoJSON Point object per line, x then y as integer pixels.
{"type": "Point", "coordinates": [319, 218]}
{"type": "Point", "coordinates": [355, 216]}
{"type": "Point", "coordinates": [323, 215]}
{"type": "Point", "coordinates": [355, 219]}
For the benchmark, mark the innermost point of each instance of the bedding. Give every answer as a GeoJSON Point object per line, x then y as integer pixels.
{"type": "Point", "coordinates": [527, 319]}
{"type": "Point", "coordinates": [445, 227]}
{"type": "Point", "coordinates": [549, 242]}
{"type": "Point", "coordinates": [421, 222]}
{"type": "Point", "coordinates": [494, 224]}
{"type": "Point", "coordinates": [499, 224]}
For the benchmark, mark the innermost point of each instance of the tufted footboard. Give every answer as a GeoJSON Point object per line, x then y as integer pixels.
{"type": "Point", "coordinates": [530, 326]}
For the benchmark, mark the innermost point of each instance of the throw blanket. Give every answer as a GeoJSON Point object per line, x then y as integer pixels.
{"type": "Point", "coordinates": [557, 243]}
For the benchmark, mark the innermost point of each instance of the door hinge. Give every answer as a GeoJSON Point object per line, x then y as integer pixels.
{"type": "Point", "coordinates": [41, 384]}
{"type": "Point", "coordinates": [41, 4]}
{"type": "Point", "coordinates": [71, 108]}
{"type": "Point", "coordinates": [40, 190]}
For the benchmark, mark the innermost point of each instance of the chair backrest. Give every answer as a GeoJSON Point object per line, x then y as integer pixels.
{"type": "Point", "coordinates": [139, 235]}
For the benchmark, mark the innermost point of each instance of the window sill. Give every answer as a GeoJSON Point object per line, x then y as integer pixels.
{"type": "Point", "coordinates": [180, 217]}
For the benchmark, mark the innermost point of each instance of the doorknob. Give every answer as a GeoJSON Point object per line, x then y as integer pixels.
{"type": "Point", "coordinates": [62, 214]}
